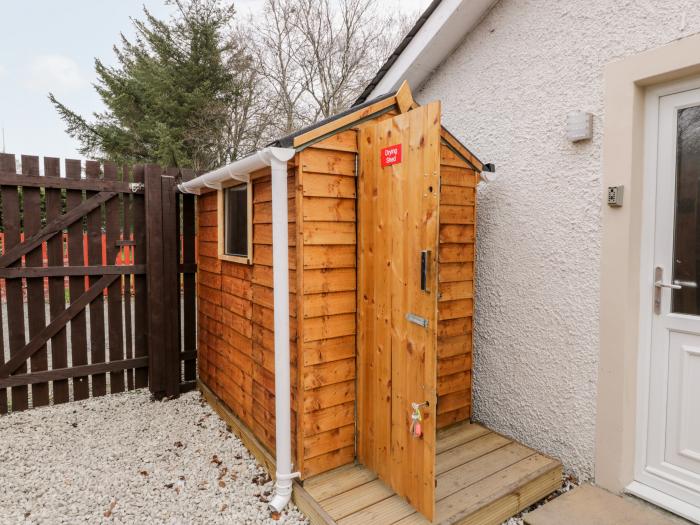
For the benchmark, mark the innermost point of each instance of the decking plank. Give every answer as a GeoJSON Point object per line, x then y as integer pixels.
{"type": "Point", "coordinates": [468, 451]}
{"type": "Point", "coordinates": [455, 435]}
{"type": "Point", "coordinates": [473, 471]}
{"type": "Point", "coordinates": [337, 481]}
{"type": "Point", "coordinates": [357, 499]}
{"type": "Point", "coordinates": [512, 479]}
{"type": "Point", "coordinates": [387, 512]}
{"type": "Point", "coordinates": [484, 478]}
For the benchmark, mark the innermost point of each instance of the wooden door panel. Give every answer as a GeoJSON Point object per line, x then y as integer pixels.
{"type": "Point", "coordinates": [398, 214]}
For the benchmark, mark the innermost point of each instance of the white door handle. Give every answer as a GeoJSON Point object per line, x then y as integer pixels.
{"type": "Point", "coordinates": [672, 286]}
{"type": "Point", "coordinates": [659, 285]}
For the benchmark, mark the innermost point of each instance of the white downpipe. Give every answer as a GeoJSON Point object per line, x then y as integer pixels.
{"type": "Point", "coordinates": [280, 281]}
{"type": "Point", "coordinates": [277, 159]}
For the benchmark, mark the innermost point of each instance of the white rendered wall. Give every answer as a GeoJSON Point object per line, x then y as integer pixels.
{"type": "Point", "coordinates": [505, 93]}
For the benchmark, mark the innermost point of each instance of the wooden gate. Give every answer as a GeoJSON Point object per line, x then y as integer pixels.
{"type": "Point", "coordinates": [97, 281]}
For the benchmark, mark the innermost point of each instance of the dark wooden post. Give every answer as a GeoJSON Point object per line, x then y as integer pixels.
{"type": "Point", "coordinates": [162, 279]}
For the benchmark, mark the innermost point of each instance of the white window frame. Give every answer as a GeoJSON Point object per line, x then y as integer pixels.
{"type": "Point", "coordinates": [221, 223]}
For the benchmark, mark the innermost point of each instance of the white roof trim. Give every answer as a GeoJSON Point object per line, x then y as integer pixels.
{"type": "Point", "coordinates": [441, 33]}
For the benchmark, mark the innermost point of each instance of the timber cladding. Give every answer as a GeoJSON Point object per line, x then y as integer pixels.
{"type": "Point", "coordinates": [236, 347]}
{"type": "Point", "coordinates": [235, 314]}
{"type": "Point", "coordinates": [457, 212]}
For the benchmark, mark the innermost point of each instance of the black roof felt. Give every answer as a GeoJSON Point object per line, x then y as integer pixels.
{"type": "Point", "coordinates": [288, 140]}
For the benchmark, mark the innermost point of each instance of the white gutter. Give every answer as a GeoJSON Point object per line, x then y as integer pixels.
{"type": "Point", "coordinates": [277, 159]}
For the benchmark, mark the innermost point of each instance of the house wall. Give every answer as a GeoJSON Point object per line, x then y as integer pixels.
{"type": "Point", "coordinates": [235, 332]}
{"type": "Point", "coordinates": [506, 91]}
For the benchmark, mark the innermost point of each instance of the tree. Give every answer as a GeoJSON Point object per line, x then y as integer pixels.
{"type": "Point", "coordinates": [169, 97]}
{"type": "Point", "coordinates": [316, 56]}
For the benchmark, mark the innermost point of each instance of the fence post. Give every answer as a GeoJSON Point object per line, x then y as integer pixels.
{"type": "Point", "coordinates": [162, 283]}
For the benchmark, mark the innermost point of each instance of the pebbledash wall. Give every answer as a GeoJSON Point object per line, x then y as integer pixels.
{"type": "Point", "coordinates": [536, 333]}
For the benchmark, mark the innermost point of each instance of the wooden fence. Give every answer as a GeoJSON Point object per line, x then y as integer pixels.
{"type": "Point", "coordinates": [79, 324]}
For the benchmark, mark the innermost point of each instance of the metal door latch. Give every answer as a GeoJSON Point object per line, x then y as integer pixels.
{"type": "Point", "coordinates": [417, 319]}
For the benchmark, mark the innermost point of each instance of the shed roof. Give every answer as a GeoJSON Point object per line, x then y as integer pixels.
{"type": "Point", "coordinates": [401, 100]}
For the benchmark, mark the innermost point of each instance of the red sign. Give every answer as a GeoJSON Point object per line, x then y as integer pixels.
{"type": "Point", "coordinates": [391, 155]}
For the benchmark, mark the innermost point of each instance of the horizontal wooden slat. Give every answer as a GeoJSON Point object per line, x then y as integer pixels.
{"type": "Point", "coordinates": [455, 309]}
{"type": "Point", "coordinates": [343, 141]}
{"type": "Point", "coordinates": [327, 350]}
{"type": "Point", "coordinates": [450, 272]}
{"type": "Point", "coordinates": [451, 176]}
{"type": "Point", "coordinates": [329, 373]}
{"type": "Point", "coordinates": [454, 364]}
{"type": "Point", "coordinates": [329, 395]}
{"type": "Point", "coordinates": [320, 185]}
{"type": "Point", "coordinates": [457, 195]}
{"type": "Point", "coordinates": [453, 383]}
{"type": "Point", "coordinates": [77, 371]}
{"type": "Point", "coordinates": [456, 290]}
{"type": "Point", "coordinates": [329, 326]}
{"type": "Point", "coordinates": [336, 482]}
{"type": "Point", "coordinates": [329, 460]}
{"type": "Point", "coordinates": [327, 441]}
{"type": "Point", "coordinates": [450, 346]}
{"type": "Point", "coordinates": [60, 271]}
{"type": "Point", "coordinates": [328, 209]}
{"type": "Point", "coordinates": [323, 256]}
{"type": "Point", "coordinates": [330, 280]}
{"type": "Point", "coordinates": [451, 253]}
{"type": "Point", "coordinates": [320, 304]}
{"type": "Point", "coordinates": [456, 214]}
{"type": "Point", "coordinates": [329, 418]}
{"type": "Point", "coordinates": [9, 178]}
{"type": "Point", "coordinates": [457, 233]}
{"type": "Point", "coordinates": [329, 233]}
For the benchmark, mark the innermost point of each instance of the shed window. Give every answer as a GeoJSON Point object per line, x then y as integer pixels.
{"type": "Point", "coordinates": [235, 226]}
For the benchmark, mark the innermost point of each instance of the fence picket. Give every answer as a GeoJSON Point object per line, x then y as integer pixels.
{"type": "Point", "coordinates": [126, 256]}
{"type": "Point", "coordinates": [140, 288]}
{"type": "Point", "coordinates": [13, 289]}
{"type": "Point", "coordinates": [76, 285]}
{"type": "Point", "coordinates": [36, 312]}
{"type": "Point", "coordinates": [113, 218]}
{"type": "Point", "coordinates": [57, 299]}
{"type": "Point", "coordinates": [97, 311]}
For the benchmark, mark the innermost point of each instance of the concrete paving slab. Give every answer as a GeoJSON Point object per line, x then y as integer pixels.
{"type": "Point", "coordinates": [590, 505]}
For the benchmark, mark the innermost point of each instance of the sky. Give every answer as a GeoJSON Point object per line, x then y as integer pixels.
{"type": "Point", "coordinates": [50, 46]}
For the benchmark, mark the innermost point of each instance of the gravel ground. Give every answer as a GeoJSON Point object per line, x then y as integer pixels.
{"type": "Point", "coordinates": [125, 459]}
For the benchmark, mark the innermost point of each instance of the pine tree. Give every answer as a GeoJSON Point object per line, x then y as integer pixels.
{"type": "Point", "coordinates": [170, 94]}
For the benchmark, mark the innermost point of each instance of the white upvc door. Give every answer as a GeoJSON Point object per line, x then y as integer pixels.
{"type": "Point", "coordinates": [668, 460]}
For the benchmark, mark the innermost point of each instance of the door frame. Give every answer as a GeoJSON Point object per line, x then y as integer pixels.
{"type": "Point", "coordinates": [643, 480]}
{"type": "Point", "coordinates": [625, 84]}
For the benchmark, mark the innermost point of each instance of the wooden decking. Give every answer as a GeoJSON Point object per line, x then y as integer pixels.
{"type": "Point", "coordinates": [482, 478]}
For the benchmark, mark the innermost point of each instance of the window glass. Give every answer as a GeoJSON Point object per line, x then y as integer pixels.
{"type": "Point", "coordinates": [236, 220]}
{"type": "Point", "coordinates": [686, 249]}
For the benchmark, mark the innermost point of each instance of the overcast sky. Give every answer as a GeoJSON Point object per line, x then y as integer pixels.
{"type": "Point", "coordinates": [49, 45]}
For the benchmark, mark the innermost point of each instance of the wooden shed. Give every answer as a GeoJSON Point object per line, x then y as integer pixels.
{"type": "Point", "coordinates": [381, 204]}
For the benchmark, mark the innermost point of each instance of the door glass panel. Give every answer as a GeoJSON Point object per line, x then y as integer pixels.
{"type": "Point", "coordinates": [686, 248]}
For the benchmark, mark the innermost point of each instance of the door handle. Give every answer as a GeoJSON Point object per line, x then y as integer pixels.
{"type": "Point", "coordinates": [672, 286]}
{"type": "Point", "coordinates": [659, 285]}
{"type": "Point", "coordinates": [424, 260]}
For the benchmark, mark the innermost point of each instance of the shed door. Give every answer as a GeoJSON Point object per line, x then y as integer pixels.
{"type": "Point", "coordinates": [397, 259]}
